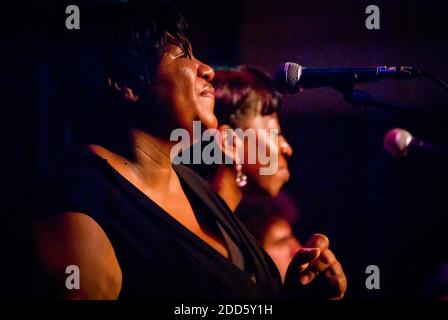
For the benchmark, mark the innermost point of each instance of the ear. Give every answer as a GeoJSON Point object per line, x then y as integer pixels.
{"type": "Point", "coordinates": [124, 91]}
{"type": "Point", "coordinates": [230, 144]}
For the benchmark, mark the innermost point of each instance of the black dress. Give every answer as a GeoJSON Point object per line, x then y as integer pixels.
{"type": "Point", "coordinates": [158, 256]}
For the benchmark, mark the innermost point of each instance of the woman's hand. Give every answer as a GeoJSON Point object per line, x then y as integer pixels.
{"type": "Point", "coordinates": [315, 272]}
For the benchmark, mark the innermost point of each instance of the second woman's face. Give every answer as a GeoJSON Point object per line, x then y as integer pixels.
{"type": "Point", "coordinates": [281, 244]}
{"type": "Point", "coordinates": [182, 90]}
{"type": "Point", "coordinates": [276, 149]}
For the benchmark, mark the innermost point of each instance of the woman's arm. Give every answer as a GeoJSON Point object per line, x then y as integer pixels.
{"type": "Point", "coordinates": [74, 238]}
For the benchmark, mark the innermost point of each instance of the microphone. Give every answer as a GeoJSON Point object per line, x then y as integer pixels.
{"type": "Point", "coordinates": [292, 77]}
{"type": "Point", "coordinates": [398, 142]}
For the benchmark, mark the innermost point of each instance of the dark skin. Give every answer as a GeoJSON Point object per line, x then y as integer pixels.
{"type": "Point", "coordinates": [313, 260]}
{"type": "Point", "coordinates": [270, 185]}
{"type": "Point", "coordinates": [182, 90]}
{"type": "Point", "coordinates": [184, 94]}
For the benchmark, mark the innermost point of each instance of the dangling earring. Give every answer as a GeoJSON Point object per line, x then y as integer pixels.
{"type": "Point", "coordinates": [241, 178]}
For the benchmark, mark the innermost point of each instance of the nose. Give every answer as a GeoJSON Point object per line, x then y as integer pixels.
{"type": "Point", "coordinates": [285, 148]}
{"type": "Point", "coordinates": [205, 71]}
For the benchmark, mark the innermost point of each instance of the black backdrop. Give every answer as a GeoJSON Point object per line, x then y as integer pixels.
{"type": "Point", "coordinates": [375, 209]}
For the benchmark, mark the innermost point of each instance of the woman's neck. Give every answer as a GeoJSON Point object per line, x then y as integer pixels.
{"type": "Point", "coordinates": [225, 185]}
{"type": "Point", "coordinates": [150, 165]}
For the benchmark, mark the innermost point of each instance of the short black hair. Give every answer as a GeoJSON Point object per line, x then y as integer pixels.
{"type": "Point", "coordinates": [140, 31]}
{"type": "Point", "coordinates": [130, 38]}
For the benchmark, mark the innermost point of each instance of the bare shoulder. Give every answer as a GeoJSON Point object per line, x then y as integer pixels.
{"type": "Point", "coordinates": [75, 239]}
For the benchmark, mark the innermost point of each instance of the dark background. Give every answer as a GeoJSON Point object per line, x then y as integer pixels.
{"type": "Point", "coordinates": [375, 209]}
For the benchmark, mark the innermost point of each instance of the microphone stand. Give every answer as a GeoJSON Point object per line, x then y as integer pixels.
{"type": "Point", "coordinates": [361, 98]}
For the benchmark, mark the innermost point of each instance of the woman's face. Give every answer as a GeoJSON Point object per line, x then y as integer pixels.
{"type": "Point", "coordinates": [182, 91]}
{"type": "Point", "coordinates": [280, 150]}
{"type": "Point", "coordinates": [281, 244]}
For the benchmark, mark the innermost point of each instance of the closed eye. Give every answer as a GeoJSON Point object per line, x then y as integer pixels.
{"type": "Point", "coordinates": [181, 54]}
{"type": "Point", "coordinates": [185, 55]}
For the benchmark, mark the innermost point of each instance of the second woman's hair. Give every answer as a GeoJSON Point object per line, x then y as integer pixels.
{"type": "Point", "coordinates": [243, 92]}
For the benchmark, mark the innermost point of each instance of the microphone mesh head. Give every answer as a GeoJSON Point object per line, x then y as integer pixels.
{"type": "Point", "coordinates": [287, 77]}
{"type": "Point", "coordinates": [396, 142]}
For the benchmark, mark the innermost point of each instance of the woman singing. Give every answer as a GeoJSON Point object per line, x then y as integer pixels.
{"type": "Point", "coordinates": [246, 99]}
{"type": "Point", "coordinates": [119, 212]}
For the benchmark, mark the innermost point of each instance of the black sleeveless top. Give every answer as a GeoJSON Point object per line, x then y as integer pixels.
{"type": "Point", "coordinates": [158, 256]}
